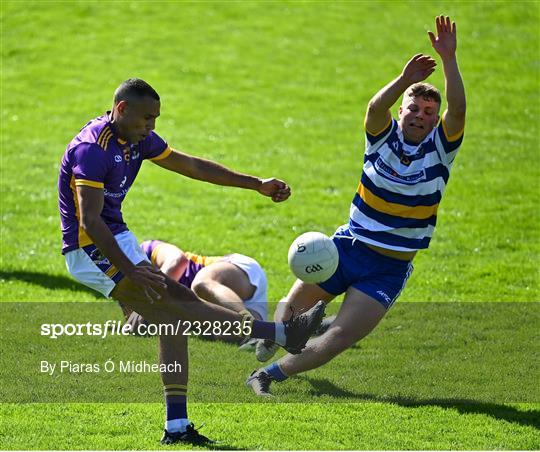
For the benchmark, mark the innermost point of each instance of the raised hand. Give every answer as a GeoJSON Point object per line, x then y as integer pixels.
{"type": "Point", "coordinates": [445, 42]}
{"type": "Point", "coordinates": [276, 189]}
{"type": "Point", "coordinates": [418, 68]}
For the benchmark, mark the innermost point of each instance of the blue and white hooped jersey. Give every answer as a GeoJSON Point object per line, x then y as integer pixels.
{"type": "Point", "coordinates": [395, 206]}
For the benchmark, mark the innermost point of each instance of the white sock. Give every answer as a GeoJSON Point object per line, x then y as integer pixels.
{"type": "Point", "coordinates": [176, 425]}
{"type": "Point", "coordinates": [280, 334]}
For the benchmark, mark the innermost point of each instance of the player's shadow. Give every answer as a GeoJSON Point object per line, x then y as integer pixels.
{"type": "Point", "coordinates": [464, 406]}
{"type": "Point", "coordinates": [45, 280]}
{"type": "Point", "coordinates": [219, 446]}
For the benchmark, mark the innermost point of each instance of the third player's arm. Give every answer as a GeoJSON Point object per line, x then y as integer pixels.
{"type": "Point", "coordinates": [171, 260]}
{"type": "Point", "coordinates": [208, 171]}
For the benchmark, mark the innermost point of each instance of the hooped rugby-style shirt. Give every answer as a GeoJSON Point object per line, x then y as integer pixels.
{"type": "Point", "coordinates": [97, 157]}
{"type": "Point", "coordinates": [196, 262]}
{"type": "Point", "coordinates": [395, 206]}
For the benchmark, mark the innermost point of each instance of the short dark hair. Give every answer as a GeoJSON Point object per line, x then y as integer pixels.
{"type": "Point", "coordinates": [424, 90]}
{"type": "Point", "coordinates": [134, 87]}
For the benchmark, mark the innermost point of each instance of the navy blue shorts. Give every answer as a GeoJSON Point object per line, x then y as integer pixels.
{"type": "Point", "coordinates": [381, 277]}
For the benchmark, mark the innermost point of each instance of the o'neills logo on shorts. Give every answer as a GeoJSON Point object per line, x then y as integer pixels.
{"type": "Point", "coordinates": [385, 170]}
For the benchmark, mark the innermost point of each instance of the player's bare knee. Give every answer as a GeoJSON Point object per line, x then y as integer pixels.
{"type": "Point", "coordinates": [202, 288]}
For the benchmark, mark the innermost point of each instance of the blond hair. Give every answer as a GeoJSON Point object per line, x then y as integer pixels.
{"type": "Point", "coordinates": [424, 90]}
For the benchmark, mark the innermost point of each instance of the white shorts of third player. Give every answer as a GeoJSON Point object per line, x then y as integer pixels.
{"type": "Point", "coordinates": [84, 270]}
{"type": "Point", "coordinates": [258, 302]}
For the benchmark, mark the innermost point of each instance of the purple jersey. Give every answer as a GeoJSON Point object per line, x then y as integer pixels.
{"type": "Point", "coordinates": [97, 157]}
{"type": "Point", "coordinates": [196, 262]}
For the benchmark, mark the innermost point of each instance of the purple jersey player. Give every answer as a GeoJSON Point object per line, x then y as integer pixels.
{"type": "Point", "coordinates": [99, 166]}
{"type": "Point", "coordinates": [97, 157]}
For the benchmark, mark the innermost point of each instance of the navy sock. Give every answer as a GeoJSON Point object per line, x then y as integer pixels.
{"type": "Point", "coordinates": [273, 331]}
{"type": "Point", "coordinates": [176, 408]}
{"type": "Point", "coordinates": [263, 330]}
{"type": "Point", "coordinates": [275, 372]}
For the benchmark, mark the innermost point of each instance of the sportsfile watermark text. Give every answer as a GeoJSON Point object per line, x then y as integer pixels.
{"type": "Point", "coordinates": [117, 328]}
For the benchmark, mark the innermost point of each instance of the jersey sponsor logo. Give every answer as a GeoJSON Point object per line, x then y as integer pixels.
{"type": "Point", "coordinates": [385, 170]}
{"type": "Point", "coordinates": [135, 155]}
{"type": "Point", "coordinates": [117, 158]}
{"type": "Point", "coordinates": [115, 194]}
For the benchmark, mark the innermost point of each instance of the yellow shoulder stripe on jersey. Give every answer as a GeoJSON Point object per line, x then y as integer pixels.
{"type": "Point", "coordinates": [380, 131]}
{"type": "Point", "coordinates": [100, 136]}
{"type": "Point", "coordinates": [391, 208]}
{"type": "Point", "coordinates": [103, 136]}
{"type": "Point", "coordinates": [89, 183]}
{"type": "Point", "coordinates": [163, 155]}
{"type": "Point", "coordinates": [454, 137]}
{"type": "Point", "coordinates": [107, 141]}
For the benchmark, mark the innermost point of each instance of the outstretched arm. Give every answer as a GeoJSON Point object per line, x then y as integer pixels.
{"type": "Point", "coordinates": [378, 115]}
{"type": "Point", "coordinates": [208, 171]}
{"type": "Point", "coordinates": [445, 44]}
{"type": "Point", "coordinates": [171, 260]}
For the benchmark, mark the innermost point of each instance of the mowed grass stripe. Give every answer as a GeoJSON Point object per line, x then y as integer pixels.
{"type": "Point", "coordinates": [341, 426]}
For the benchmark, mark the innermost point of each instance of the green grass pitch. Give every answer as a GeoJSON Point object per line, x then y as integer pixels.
{"type": "Point", "coordinates": [280, 89]}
